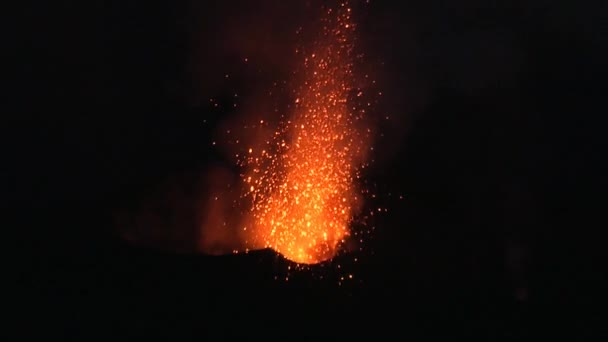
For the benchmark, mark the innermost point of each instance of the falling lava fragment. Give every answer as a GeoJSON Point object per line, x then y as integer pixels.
{"type": "Point", "coordinates": [303, 184]}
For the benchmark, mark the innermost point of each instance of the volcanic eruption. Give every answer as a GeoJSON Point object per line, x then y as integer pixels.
{"type": "Point", "coordinates": [301, 186]}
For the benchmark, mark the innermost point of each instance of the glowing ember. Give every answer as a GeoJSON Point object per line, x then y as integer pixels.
{"type": "Point", "coordinates": [302, 184]}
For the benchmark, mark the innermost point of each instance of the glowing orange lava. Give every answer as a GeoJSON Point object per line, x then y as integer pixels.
{"type": "Point", "coordinates": [302, 184]}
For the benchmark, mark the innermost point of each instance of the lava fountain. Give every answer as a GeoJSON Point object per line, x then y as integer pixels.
{"type": "Point", "coordinates": [302, 183]}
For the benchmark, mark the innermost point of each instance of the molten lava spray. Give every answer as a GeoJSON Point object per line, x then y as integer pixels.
{"type": "Point", "coordinates": [302, 183]}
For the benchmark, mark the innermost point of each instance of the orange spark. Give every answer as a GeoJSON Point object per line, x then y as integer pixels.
{"type": "Point", "coordinates": [302, 185]}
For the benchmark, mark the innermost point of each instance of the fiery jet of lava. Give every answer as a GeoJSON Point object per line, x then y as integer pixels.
{"type": "Point", "coordinates": [302, 184]}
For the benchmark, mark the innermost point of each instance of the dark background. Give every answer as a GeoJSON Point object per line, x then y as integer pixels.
{"type": "Point", "coordinates": [496, 147]}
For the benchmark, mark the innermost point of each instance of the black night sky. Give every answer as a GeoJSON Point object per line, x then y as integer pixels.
{"type": "Point", "coordinates": [496, 144]}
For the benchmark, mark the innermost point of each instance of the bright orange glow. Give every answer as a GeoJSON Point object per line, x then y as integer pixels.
{"type": "Point", "coordinates": [302, 184]}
